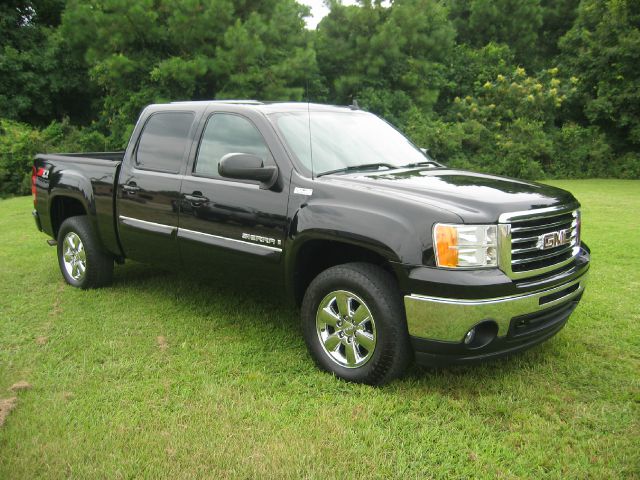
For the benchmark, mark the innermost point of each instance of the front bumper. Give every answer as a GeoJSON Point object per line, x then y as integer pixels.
{"type": "Point", "coordinates": [438, 325]}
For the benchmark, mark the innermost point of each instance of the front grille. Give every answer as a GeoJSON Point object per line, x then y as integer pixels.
{"type": "Point", "coordinates": [524, 234]}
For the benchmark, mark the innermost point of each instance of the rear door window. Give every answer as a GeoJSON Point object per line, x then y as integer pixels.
{"type": "Point", "coordinates": [164, 141]}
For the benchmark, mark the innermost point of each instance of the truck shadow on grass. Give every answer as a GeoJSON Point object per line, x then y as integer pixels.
{"type": "Point", "coordinates": [250, 304]}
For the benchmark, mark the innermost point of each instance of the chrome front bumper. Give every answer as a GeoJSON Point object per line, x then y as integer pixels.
{"type": "Point", "coordinates": [448, 319]}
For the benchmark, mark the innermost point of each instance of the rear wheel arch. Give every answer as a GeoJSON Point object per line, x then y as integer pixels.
{"type": "Point", "coordinates": [63, 207]}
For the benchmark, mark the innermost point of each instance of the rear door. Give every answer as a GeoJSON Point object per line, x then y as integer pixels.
{"type": "Point", "coordinates": [226, 222]}
{"type": "Point", "coordinates": [149, 188]}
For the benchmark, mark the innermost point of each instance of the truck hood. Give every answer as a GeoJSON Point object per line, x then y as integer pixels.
{"type": "Point", "coordinates": [474, 197]}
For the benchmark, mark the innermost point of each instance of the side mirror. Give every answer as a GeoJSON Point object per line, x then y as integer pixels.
{"type": "Point", "coordinates": [245, 166]}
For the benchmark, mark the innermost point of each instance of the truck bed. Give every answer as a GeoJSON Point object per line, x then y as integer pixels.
{"type": "Point", "coordinates": [90, 179]}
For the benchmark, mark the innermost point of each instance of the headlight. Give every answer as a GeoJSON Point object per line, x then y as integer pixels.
{"type": "Point", "coordinates": [465, 246]}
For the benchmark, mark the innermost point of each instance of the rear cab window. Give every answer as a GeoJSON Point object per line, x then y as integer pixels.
{"type": "Point", "coordinates": [164, 141]}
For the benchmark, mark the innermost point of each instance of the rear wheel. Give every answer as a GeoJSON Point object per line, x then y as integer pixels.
{"type": "Point", "coordinates": [82, 262]}
{"type": "Point", "coordinates": [354, 324]}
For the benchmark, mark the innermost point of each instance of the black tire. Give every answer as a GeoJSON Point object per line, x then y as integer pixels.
{"type": "Point", "coordinates": [98, 271]}
{"type": "Point", "coordinates": [378, 289]}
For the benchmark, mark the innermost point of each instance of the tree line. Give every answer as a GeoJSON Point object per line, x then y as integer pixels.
{"type": "Point", "coordinates": [526, 88]}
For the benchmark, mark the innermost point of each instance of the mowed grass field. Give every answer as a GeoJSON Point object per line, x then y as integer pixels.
{"type": "Point", "coordinates": [164, 376]}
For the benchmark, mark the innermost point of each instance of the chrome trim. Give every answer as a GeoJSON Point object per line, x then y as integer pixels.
{"type": "Point", "coordinates": [346, 334]}
{"type": "Point", "coordinates": [546, 256]}
{"type": "Point", "coordinates": [303, 191]}
{"type": "Point", "coordinates": [538, 213]}
{"type": "Point", "coordinates": [221, 181]}
{"type": "Point", "coordinates": [506, 243]}
{"type": "Point", "coordinates": [74, 256]}
{"type": "Point", "coordinates": [220, 241]}
{"type": "Point", "coordinates": [194, 177]}
{"type": "Point", "coordinates": [525, 239]}
{"type": "Point", "coordinates": [157, 173]}
{"type": "Point", "coordinates": [149, 226]}
{"type": "Point", "coordinates": [525, 250]}
{"type": "Point", "coordinates": [449, 319]}
{"type": "Point", "coordinates": [546, 225]}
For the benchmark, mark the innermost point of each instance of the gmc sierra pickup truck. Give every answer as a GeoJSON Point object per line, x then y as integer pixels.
{"type": "Point", "coordinates": [391, 256]}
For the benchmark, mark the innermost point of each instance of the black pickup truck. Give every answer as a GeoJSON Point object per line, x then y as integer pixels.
{"type": "Point", "coordinates": [391, 256]}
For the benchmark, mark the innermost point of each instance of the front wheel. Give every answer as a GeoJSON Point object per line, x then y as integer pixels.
{"type": "Point", "coordinates": [82, 262]}
{"type": "Point", "coordinates": [354, 324]}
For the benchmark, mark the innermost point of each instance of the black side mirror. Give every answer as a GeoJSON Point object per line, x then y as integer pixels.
{"type": "Point", "coordinates": [245, 166]}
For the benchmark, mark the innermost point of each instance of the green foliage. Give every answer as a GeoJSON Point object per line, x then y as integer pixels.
{"type": "Point", "coordinates": [505, 128]}
{"type": "Point", "coordinates": [532, 88]}
{"type": "Point", "coordinates": [513, 22]}
{"type": "Point", "coordinates": [19, 143]}
{"type": "Point", "coordinates": [471, 68]}
{"type": "Point", "coordinates": [147, 51]}
{"type": "Point", "coordinates": [557, 19]}
{"type": "Point", "coordinates": [399, 49]}
{"type": "Point", "coordinates": [581, 152]}
{"type": "Point", "coordinates": [629, 166]}
{"type": "Point", "coordinates": [40, 77]}
{"type": "Point", "coordinates": [602, 50]}
{"type": "Point", "coordinates": [514, 96]}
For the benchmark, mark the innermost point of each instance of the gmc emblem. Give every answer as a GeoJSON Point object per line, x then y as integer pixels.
{"type": "Point", "coordinates": [554, 239]}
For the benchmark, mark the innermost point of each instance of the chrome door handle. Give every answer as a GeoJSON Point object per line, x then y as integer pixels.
{"type": "Point", "coordinates": [196, 199]}
{"type": "Point", "coordinates": [131, 189]}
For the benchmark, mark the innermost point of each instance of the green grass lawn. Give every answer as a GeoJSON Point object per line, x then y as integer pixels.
{"type": "Point", "coordinates": [164, 376]}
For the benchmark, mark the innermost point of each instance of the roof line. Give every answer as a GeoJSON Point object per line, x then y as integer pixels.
{"type": "Point", "coordinates": [248, 102]}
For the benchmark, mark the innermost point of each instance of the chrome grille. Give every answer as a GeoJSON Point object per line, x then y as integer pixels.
{"type": "Point", "coordinates": [522, 235]}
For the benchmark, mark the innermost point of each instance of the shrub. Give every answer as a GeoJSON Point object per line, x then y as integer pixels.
{"type": "Point", "coordinates": [629, 166]}
{"type": "Point", "coordinates": [19, 143]}
{"type": "Point", "coordinates": [580, 152]}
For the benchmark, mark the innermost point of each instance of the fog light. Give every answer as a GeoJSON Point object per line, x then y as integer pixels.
{"type": "Point", "coordinates": [468, 338]}
{"type": "Point", "coordinates": [481, 335]}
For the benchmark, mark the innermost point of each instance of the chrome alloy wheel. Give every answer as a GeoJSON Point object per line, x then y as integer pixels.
{"type": "Point", "coordinates": [74, 256]}
{"type": "Point", "coordinates": [346, 329]}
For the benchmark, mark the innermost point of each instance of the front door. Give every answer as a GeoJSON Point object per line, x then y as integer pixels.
{"type": "Point", "coordinates": [230, 223]}
{"type": "Point", "coordinates": [149, 189]}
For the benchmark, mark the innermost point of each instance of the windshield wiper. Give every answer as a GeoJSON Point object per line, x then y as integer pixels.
{"type": "Point", "coordinates": [354, 168]}
{"type": "Point", "coordinates": [422, 164]}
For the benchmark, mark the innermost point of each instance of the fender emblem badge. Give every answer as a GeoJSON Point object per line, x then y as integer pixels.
{"type": "Point", "coordinates": [260, 239]}
{"type": "Point", "coordinates": [303, 191]}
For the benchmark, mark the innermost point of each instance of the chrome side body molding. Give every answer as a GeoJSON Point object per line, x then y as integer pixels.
{"type": "Point", "coordinates": [149, 226]}
{"type": "Point", "coordinates": [265, 243]}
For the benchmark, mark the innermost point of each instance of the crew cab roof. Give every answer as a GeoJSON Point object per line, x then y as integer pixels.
{"type": "Point", "coordinates": [264, 107]}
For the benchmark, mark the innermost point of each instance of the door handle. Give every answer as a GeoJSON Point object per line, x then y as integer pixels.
{"type": "Point", "coordinates": [196, 198]}
{"type": "Point", "coordinates": [131, 188]}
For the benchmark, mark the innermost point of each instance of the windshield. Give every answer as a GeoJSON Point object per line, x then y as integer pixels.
{"type": "Point", "coordinates": [345, 141]}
